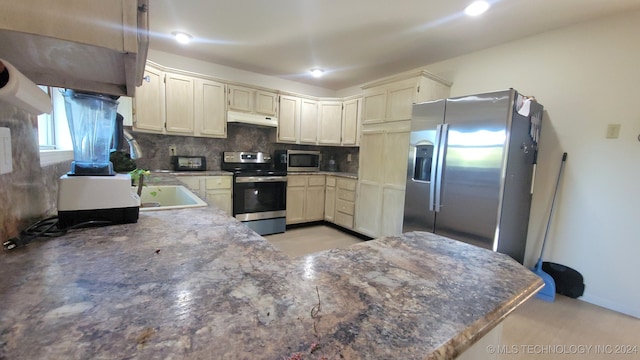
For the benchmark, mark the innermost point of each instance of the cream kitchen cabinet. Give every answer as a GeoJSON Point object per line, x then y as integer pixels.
{"type": "Point", "coordinates": [246, 99]}
{"type": "Point", "coordinates": [383, 164]}
{"type": "Point", "coordinates": [384, 149]}
{"type": "Point", "coordinates": [308, 121]}
{"type": "Point", "coordinates": [330, 198]}
{"type": "Point", "coordinates": [305, 198]}
{"type": "Point", "coordinates": [351, 122]}
{"type": "Point", "coordinates": [216, 190]}
{"type": "Point", "coordinates": [149, 108]}
{"type": "Point", "coordinates": [325, 122]}
{"type": "Point", "coordinates": [98, 46]}
{"type": "Point", "coordinates": [330, 123]}
{"type": "Point", "coordinates": [209, 109]}
{"type": "Point", "coordinates": [391, 99]}
{"type": "Point", "coordinates": [389, 102]}
{"type": "Point", "coordinates": [174, 103]}
{"type": "Point", "coordinates": [289, 119]}
{"type": "Point", "coordinates": [179, 104]}
{"type": "Point", "coordinates": [340, 197]}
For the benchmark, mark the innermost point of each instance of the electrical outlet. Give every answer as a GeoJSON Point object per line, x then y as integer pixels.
{"type": "Point", "coordinates": [172, 150]}
{"type": "Point", "coordinates": [6, 158]}
{"type": "Point", "coordinates": [613, 131]}
{"type": "Point", "coordinates": [348, 157]}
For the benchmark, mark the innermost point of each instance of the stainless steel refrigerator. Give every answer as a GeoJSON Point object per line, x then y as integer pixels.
{"type": "Point", "coordinates": [471, 167]}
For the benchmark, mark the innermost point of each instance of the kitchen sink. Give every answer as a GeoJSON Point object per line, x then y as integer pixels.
{"type": "Point", "coordinates": [168, 197]}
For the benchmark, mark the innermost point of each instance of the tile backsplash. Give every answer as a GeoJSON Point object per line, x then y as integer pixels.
{"type": "Point", "coordinates": [240, 137]}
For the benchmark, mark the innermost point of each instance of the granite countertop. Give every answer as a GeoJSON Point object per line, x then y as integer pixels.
{"type": "Point", "coordinates": [228, 173]}
{"type": "Point", "coordinates": [192, 173]}
{"type": "Point", "coordinates": [197, 284]}
{"type": "Point", "coordinates": [334, 173]}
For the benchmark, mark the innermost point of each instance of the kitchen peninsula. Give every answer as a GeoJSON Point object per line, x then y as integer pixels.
{"type": "Point", "coordinates": [197, 284]}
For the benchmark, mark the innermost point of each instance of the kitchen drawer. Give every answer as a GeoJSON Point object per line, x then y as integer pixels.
{"type": "Point", "coordinates": [296, 180]}
{"type": "Point", "coordinates": [331, 181]}
{"type": "Point", "coordinates": [346, 195]}
{"type": "Point", "coordinates": [191, 182]}
{"type": "Point", "coordinates": [316, 180]}
{"type": "Point", "coordinates": [346, 207]}
{"type": "Point", "coordinates": [218, 182]}
{"type": "Point", "coordinates": [344, 220]}
{"type": "Point", "coordinates": [347, 184]}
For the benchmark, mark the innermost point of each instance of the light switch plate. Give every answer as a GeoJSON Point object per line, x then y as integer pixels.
{"type": "Point", "coordinates": [6, 158]}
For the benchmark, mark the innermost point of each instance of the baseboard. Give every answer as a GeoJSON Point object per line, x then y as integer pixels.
{"type": "Point", "coordinates": [330, 224]}
{"type": "Point", "coordinates": [635, 312]}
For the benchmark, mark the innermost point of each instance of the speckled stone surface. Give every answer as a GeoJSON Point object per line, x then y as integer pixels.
{"type": "Point", "coordinates": [347, 175]}
{"type": "Point", "coordinates": [197, 284]}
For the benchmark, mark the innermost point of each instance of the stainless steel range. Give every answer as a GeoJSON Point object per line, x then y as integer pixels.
{"type": "Point", "coordinates": [259, 191]}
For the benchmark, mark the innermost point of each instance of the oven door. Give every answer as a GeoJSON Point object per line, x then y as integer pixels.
{"type": "Point", "coordinates": [259, 197]}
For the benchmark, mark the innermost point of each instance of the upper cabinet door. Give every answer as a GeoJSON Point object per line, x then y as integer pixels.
{"type": "Point", "coordinates": [350, 122]}
{"type": "Point", "coordinates": [149, 102]}
{"type": "Point", "coordinates": [374, 106]}
{"type": "Point", "coordinates": [250, 100]}
{"type": "Point", "coordinates": [400, 98]}
{"type": "Point", "coordinates": [266, 103]}
{"type": "Point", "coordinates": [240, 98]}
{"type": "Point", "coordinates": [210, 105]}
{"type": "Point", "coordinates": [308, 121]}
{"type": "Point", "coordinates": [288, 119]}
{"type": "Point", "coordinates": [330, 122]}
{"type": "Point", "coordinates": [179, 104]}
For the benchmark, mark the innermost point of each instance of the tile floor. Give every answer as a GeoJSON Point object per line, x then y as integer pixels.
{"type": "Point", "coordinates": [564, 329]}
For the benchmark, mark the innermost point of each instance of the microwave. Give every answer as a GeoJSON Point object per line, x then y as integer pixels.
{"type": "Point", "coordinates": [297, 160]}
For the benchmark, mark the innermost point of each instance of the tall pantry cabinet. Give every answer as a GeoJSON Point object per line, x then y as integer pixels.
{"type": "Point", "coordinates": [384, 148]}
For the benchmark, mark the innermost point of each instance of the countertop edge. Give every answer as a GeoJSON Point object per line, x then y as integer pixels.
{"type": "Point", "coordinates": [457, 345]}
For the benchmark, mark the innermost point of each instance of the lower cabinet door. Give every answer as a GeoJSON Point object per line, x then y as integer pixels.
{"type": "Point", "coordinates": [295, 204]}
{"type": "Point", "coordinates": [315, 203]}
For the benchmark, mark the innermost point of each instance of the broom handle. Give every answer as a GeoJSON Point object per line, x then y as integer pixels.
{"type": "Point", "coordinates": [546, 233]}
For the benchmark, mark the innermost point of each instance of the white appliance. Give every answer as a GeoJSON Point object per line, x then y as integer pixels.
{"type": "Point", "coordinates": [92, 194]}
{"type": "Point", "coordinates": [97, 200]}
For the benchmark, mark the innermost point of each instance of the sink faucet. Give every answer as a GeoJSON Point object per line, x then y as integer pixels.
{"type": "Point", "coordinates": [134, 148]}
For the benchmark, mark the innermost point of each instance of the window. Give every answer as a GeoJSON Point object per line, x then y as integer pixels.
{"type": "Point", "coordinates": [53, 131]}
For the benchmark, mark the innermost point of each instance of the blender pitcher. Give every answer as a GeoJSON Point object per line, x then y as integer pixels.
{"type": "Point", "coordinates": [91, 120]}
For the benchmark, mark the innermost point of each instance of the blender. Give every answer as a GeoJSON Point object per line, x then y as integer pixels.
{"type": "Point", "coordinates": [92, 193]}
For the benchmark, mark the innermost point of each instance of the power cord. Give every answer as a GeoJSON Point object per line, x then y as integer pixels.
{"type": "Point", "coordinates": [47, 228]}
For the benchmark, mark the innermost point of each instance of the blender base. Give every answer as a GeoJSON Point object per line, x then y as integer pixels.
{"type": "Point", "coordinates": [107, 199]}
{"type": "Point", "coordinates": [97, 217]}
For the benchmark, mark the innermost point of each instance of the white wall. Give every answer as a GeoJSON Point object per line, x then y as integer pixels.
{"type": "Point", "coordinates": [586, 76]}
{"type": "Point", "coordinates": [235, 75]}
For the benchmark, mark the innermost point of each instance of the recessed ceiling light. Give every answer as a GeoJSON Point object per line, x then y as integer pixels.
{"type": "Point", "coordinates": [476, 8]}
{"type": "Point", "coordinates": [182, 37]}
{"type": "Point", "coordinates": [316, 73]}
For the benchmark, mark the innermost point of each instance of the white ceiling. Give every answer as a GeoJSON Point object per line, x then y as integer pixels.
{"type": "Point", "coordinates": [355, 41]}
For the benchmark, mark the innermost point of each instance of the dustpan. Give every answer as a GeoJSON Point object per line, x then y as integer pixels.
{"type": "Point", "coordinates": [548, 292]}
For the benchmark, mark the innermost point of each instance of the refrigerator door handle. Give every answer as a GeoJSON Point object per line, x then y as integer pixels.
{"type": "Point", "coordinates": [434, 165]}
{"type": "Point", "coordinates": [443, 132]}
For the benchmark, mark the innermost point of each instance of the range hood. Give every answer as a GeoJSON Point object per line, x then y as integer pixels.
{"type": "Point", "coordinates": [253, 119]}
